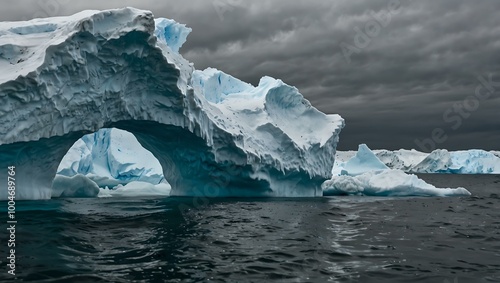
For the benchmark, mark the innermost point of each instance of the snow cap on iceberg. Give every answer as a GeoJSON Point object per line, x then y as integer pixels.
{"type": "Point", "coordinates": [270, 104]}
{"type": "Point", "coordinates": [26, 46]}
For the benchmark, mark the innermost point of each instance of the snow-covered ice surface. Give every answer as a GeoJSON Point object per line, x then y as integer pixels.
{"type": "Point", "coordinates": [110, 157]}
{"type": "Point", "coordinates": [386, 183]}
{"type": "Point", "coordinates": [213, 134]}
{"type": "Point", "coordinates": [439, 161]}
{"type": "Point", "coordinates": [365, 174]}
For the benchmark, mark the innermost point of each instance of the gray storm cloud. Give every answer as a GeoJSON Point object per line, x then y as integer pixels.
{"type": "Point", "coordinates": [394, 69]}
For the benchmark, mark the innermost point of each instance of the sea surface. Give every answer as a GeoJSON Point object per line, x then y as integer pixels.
{"type": "Point", "coordinates": [330, 239]}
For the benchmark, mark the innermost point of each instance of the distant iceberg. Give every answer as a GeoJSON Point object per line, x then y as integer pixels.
{"type": "Point", "coordinates": [439, 161]}
{"type": "Point", "coordinates": [365, 174]}
{"type": "Point", "coordinates": [401, 159]}
{"type": "Point", "coordinates": [459, 162]}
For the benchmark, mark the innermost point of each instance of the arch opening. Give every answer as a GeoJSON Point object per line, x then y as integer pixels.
{"type": "Point", "coordinates": [109, 162]}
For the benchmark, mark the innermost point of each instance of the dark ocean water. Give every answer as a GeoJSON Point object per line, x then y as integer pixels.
{"type": "Point", "coordinates": [338, 239]}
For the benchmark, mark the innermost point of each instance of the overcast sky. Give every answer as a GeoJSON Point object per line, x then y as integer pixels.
{"type": "Point", "coordinates": [402, 73]}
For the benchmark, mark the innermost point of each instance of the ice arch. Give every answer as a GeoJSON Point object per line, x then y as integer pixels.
{"type": "Point", "coordinates": [213, 134]}
{"type": "Point", "coordinates": [189, 164]}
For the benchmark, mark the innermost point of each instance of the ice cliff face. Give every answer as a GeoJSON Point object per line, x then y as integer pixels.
{"type": "Point", "coordinates": [213, 134]}
{"type": "Point", "coordinates": [110, 157]}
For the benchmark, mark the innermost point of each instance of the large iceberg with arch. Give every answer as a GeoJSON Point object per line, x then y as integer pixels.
{"type": "Point", "coordinates": [213, 134]}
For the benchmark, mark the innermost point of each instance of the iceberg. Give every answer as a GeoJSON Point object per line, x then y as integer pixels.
{"type": "Point", "coordinates": [213, 134]}
{"type": "Point", "coordinates": [386, 183]}
{"type": "Point", "coordinates": [365, 174]}
{"type": "Point", "coordinates": [436, 161]}
{"type": "Point", "coordinates": [440, 161]}
{"type": "Point", "coordinates": [364, 160]}
{"type": "Point", "coordinates": [111, 157]}
{"type": "Point", "coordinates": [459, 162]}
